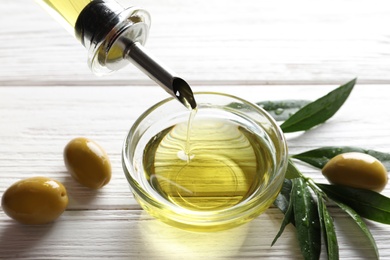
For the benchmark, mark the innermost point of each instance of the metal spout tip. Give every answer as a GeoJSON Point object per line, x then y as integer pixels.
{"type": "Point", "coordinates": [175, 86]}
{"type": "Point", "coordinates": [183, 93]}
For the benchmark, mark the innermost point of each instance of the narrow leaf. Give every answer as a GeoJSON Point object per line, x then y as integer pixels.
{"type": "Point", "coordinates": [368, 204]}
{"type": "Point", "coordinates": [328, 230]}
{"type": "Point", "coordinates": [282, 201]}
{"type": "Point", "coordinates": [317, 112]}
{"type": "Point", "coordinates": [319, 157]}
{"type": "Point", "coordinates": [292, 171]}
{"type": "Point", "coordinates": [361, 225]}
{"type": "Point", "coordinates": [288, 214]}
{"type": "Point", "coordinates": [281, 110]}
{"type": "Point", "coordinates": [306, 220]}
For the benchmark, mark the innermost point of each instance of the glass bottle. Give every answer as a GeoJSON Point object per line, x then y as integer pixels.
{"type": "Point", "coordinates": [114, 36]}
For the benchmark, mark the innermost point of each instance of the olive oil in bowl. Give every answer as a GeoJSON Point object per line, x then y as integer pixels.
{"type": "Point", "coordinates": [225, 163]}
{"type": "Point", "coordinates": [218, 170]}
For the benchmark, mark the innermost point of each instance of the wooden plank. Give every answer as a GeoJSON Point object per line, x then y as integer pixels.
{"type": "Point", "coordinates": [123, 234]}
{"type": "Point", "coordinates": [131, 234]}
{"type": "Point", "coordinates": [214, 42]}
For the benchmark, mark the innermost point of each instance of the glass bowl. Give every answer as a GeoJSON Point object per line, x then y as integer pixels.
{"type": "Point", "coordinates": [221, 169]}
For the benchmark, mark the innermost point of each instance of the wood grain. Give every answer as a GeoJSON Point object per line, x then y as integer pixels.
{"type": "Point", "coordinates": [131, 234]}
{"type": "Point", "coordinates": [255, 49]}
{"type": "Point", "coordinates": [213, 42]}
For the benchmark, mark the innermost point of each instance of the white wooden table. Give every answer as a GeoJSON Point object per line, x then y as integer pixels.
{"type": "Point", "coordinates": [258, 50]}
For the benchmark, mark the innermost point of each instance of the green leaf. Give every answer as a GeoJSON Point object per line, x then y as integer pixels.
{"type": "Point", "coordinates": [319, 157]}
{"type": "Point", "coordinates": [368, 204]}
{"type": "Point", "coordinates": [361, 224]}
{"type": "Point", "coordinates": [282, 201]}
{"type": "Point", "coordinates": [306, 220]}
{"type": "Point", "coordinates": [281, 110]}
{"type": "Point", "coordinates": [318, 111]}
{"type": "Point", "coordinates": [288, 211]}
{"type": "Point", "coordinates": [292, 171]}
{"type": "Point", "coordinates": [328, 230]}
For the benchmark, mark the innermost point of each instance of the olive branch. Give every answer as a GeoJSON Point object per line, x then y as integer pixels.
{"type": "Point", "coordinates": [304, 202]}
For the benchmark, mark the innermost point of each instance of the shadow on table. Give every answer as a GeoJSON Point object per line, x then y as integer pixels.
{"type": "Point", "coordinates": [79, 196]}
{"type": "Point", "coordinates": [17, 239]}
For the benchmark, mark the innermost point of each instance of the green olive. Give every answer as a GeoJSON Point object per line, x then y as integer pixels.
{"type": "Point", "coordinates": [357, 170]}
{"type": "Point", "coordinates": [36, 200]}
{"type": "Point", "coordinates": [87, 162]}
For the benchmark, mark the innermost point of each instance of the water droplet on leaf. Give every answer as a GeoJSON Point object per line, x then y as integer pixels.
{"type": "Point", "coordinates": [279, 111]}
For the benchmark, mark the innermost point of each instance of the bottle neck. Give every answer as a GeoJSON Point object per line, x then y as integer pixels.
{"type": "Point", "coordinates": [96, 21]}
{"type": "Point", "coordinates": [105, 28]}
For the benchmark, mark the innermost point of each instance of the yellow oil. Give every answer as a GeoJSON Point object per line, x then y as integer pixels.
{"type": "Point", "coordinates": [214, 165]}
{"type": "Point", "coordinates": [66, 11]}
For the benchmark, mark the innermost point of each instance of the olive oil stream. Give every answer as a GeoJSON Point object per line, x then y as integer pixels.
{"type": "Point", "coordinates": [207, 163]}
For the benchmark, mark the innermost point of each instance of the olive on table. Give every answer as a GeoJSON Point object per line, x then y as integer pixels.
{"type": "Point", "coordinates": [87, 162]}
{"type": "Point", "coordinates": [34, 201]}
{"type": "Point", "coordinates": [357, 170]}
